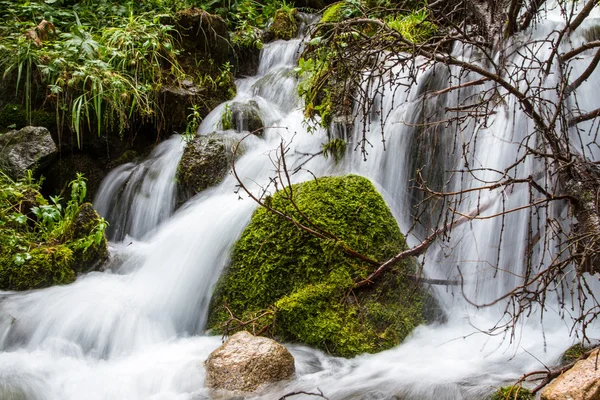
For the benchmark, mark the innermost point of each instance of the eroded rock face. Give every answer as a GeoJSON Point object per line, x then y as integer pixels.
{"type": "Point", "coordinates": [246, 362]}
{"type": "Point", "coordinates": [582, 382]}
{"type": "Point", "coordinates": [29, 148]}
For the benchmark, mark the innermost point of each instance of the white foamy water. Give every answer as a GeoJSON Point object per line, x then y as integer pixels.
{"type": "Point", "coordinates": [136, 331]}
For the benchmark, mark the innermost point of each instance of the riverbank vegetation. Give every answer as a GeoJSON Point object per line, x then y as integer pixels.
{"type": "Point", "coordinates": [46, 241]}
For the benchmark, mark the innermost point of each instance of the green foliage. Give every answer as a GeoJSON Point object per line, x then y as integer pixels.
{"type": "Point", "coordinates": [512, 393]}
{"type": "Point", "coordinates": [227, 118]}
{"type": "Point", "coordinates": [194, 119]}
{"type": "Point", "coordinates": [574, 352]}
{"type": "Point", "coordinates": [307, 282]}
{"type": "Point", "coordinates": [284, 26]}
{"type": "Point", "coordinates": [335, 148]}
{"type": "Point", "coordinates": [415, 26]}
{"type": "Point", "coordinates": [341, 10]}
{"type": "Point", "coordinates": [99, 73]}
{"type": "Point", "coordinates": [44, 242]}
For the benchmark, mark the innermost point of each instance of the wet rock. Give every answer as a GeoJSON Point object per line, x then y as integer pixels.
{"type": "Point", "coordinates": [246, 362]}
{"type": "Point", "coordinates": [28, 148]}
{"type": "Point", "coordinates": [204, 163]}
{"type": "Point", "coordinates": [245, 117]}
{"type": "Point", "coordinates": [582, 382]}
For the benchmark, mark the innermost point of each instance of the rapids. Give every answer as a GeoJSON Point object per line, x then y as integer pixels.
{"type": "Point", "coordinates": [136, 331]}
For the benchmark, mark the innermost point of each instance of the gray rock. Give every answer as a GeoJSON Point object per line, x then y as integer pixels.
{"type": "Point", "coordinates": [245, 117]}
{"type": "Point", "coordinates": [29, 148]}
{"type": "Point", "coordinates": [204, 163]}
{"type": "Point", "coordinates": [245, 363]}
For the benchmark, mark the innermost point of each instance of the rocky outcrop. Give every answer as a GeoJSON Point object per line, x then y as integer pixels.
{"type": "Point", "coordinates": [582, 382]}
{"type": "Point", "coordinates": [28, 148]}
{"type": "Point", "coordinates": [245, 117]}
{"type": "Point", "coordinates": [245, 363]}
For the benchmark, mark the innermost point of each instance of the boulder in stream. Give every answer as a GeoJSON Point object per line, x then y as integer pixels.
{"type": "Point", "coordinates": [245, 363]}
{"type": "Point", "coordinates": [301, 288]}
{"type": "Point", "coordinates": [204, 163]}
{"type": "Point", "coordinates": [581, 382]}
{"type": "Point", "coordinates": [28, 148]}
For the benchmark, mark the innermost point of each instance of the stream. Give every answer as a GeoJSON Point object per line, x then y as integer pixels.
{"type": "Point", "coordinates": [136, 330]}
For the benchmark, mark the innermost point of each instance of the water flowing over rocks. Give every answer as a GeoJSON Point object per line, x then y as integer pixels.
{"type": "Point", "coordinates": [246, 362]}
{"type": "Point", "coordinates": [582, 382]}
{"type": "Point", "coordinates": [204, 164]}
{"type": "Point", "coordinates": [245, 117]}
{"type": "Point", "coordinates": [29, 148]}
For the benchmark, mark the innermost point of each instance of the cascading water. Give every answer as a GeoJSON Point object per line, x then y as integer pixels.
{"type": "Point", "coordinates": [132, 332]}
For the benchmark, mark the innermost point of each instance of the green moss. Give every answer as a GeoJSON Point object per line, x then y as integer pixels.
{"type": "Point", "coordinates": [307, 282]}
{"type": "Point", "coordinates": [512, 393]}
{"type": "Point", "coordinates": [285, 25]}
{"type": "Point", "coordinates": [414, 26]}
{"type": "Point", "coordinates": [333, 13]}
{"type": "Point", "coordinates": [88, 248]}
{"type": "Point", "coordinates": [573, 353]}
{"type": "Point", "coordinates": [47, 266]}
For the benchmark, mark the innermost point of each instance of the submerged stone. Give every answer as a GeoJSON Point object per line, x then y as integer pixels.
{"type": "Point", "coordinates": [245, 362]}
{"type": "Point", "coordinates": [302, 287]}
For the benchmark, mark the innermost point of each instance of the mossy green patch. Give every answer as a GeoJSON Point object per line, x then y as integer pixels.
{"type": "Point", "coordinates": [512, 393]}
{"type": "Point", "coordinates": [574, 352]}
{"type": "Point", "coordinates": [87, 226]}
{"type": "Point", "coordinates": [285, 25]}
{"type": "Point", "coordinates": [307, 282]}
{"type": "Point", "coordinates": [46, 266]}
{"type": "Point", "coordinates": [44, 243]}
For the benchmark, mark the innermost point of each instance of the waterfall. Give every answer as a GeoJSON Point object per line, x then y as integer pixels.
{"type": "Point", "coordinates": [135, 331]}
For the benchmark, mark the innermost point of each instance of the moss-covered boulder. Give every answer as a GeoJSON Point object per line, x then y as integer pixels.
{"type": "Point", "coordinates": [46, 266]}
{"type": "Point", "coordinates": [45, 243]}
{"type": "Point", "coordinates": [284, 27]}
{"type": "Point", "coordinates": [302, 287]}
{"type": "Point", "coordinates": [87, 226]}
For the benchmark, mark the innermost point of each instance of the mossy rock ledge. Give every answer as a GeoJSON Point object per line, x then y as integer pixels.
{"type": "Point", "coordinates": [57, 262]}
{"type": "Point", "coordinates": [301, 287]}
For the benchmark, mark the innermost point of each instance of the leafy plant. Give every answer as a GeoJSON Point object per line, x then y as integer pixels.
{"type": "Point", "coordinates": [415, 26]}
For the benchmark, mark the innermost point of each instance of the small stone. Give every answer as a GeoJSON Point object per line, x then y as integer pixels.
{"type": "Point", "coordinates": [246, 362]}
{"type": "Point", "coordinates": [581, 382]}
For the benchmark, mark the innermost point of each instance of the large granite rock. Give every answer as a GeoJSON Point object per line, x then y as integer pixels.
{"type": "Point", "coordinates": [246, 362]}
{"type": "Point", "coordinates": [28, 148]}
{"type": "Point", "coordinates": [582, 382]}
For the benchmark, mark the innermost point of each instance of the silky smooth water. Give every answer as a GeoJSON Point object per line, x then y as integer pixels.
{"type": "Point", "coordinates": [135, 331]}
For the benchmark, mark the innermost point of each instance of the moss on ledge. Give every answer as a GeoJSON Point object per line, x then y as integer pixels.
{"type": "Point", "coordinates": [305, 283]}
{"type": "Point", "coordinates": [284, 26]}
{"type": "Point", "coordinates": [47, 266]}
